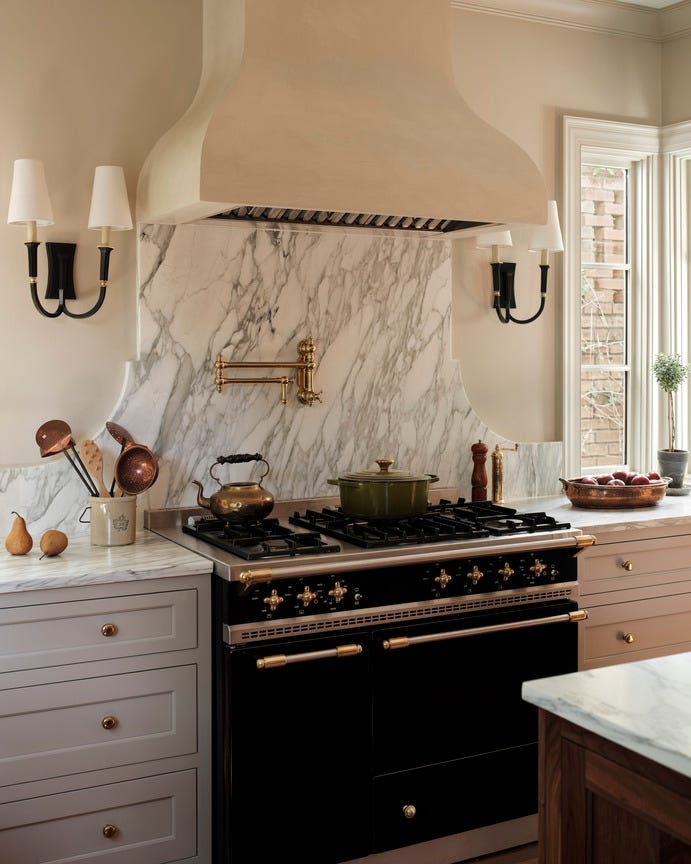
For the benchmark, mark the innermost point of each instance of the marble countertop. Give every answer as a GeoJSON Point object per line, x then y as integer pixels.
{"type": "Point", "coordinates": [670, 513]}
{"type": "Point", "coordinates": [645, 706]}
{"type": "Point", "coordinates": [149, 557]}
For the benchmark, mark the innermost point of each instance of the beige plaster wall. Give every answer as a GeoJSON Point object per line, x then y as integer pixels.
{"type": "Point", "coordinates": [84, 83]}
{"type": "Point", "coordinates": [676, 75]}
{"type": "Point", "coordinates": [522, 77]}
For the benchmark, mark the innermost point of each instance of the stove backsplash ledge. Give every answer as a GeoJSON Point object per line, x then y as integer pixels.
{"type": "Point", "coordinates": [379, 310]}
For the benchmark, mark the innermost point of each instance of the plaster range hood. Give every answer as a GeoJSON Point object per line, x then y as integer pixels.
{"type": "Point", "coordinates": [342, 112]}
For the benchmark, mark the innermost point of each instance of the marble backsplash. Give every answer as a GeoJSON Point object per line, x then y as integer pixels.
{"type": "Point", "coordinates": [379, 311]}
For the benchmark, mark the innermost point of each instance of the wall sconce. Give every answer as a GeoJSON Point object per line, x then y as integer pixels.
{"type": "Point", "coordinates": [544, 239]}
{"type": "Point", "coordinates": [30, 206]}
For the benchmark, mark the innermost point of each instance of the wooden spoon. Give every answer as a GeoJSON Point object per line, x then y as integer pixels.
{"type": "Point", "coordinates": [93, 459]}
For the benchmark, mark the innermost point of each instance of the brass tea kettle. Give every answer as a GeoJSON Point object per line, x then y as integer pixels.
{"type": "Point", "coordinates": [243, 501]}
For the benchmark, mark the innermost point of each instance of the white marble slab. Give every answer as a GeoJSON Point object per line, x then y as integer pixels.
{"type": "Point", "coordinates": [644, 706]}
{"type": "Point", "coordinates": [149, 557]}
{"type": "Point", "coordinates": [671, 513]}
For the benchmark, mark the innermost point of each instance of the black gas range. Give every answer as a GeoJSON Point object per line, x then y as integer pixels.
{"type": "Point", "coordinates": [369, 668]}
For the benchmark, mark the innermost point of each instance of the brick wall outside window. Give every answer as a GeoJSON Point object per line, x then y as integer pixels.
{"type": "Point", "coordinates": [603, 316]}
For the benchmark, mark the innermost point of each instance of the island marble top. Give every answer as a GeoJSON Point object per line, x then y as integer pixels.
{"type": "Point", "coordinates": [644, 706]}
{"type": "Point", "coordinates": [149, 557]}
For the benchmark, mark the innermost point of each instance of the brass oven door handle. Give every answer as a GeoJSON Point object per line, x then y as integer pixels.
{"type": "Point", "coordinates": [406, 641]}
{"type": "Point", "coordinates": [275, 660]}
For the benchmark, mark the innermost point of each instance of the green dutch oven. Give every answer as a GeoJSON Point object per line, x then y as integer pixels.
{"type": "Point", "coordinates": [384, 494]}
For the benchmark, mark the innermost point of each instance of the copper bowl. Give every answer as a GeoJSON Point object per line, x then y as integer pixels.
{"type": "Point", "coordinates": [614, 497]}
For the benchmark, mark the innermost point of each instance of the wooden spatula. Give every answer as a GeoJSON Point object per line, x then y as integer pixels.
{"type": "Point", "coordinates": [93, 459]}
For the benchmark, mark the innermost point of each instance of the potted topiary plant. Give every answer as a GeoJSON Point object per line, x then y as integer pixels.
{"type": "Point", "coordinates": [670, 373]}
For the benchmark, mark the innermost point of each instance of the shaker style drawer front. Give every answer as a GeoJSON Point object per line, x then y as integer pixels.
{"type": "Point", "coordinates": [622, 566]}
{"type": "Point", "coordinates": [634, 630]}
{"type": "Point", "coordinates": [56, 634]}
{"type": "Point", "coordinates": [66, 728]}
{"type": "Point", "coordinates": [146, 821]}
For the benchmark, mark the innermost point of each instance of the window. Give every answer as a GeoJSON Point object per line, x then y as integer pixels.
{"type": "Point", "coordinates": [611, 287]}
{"type": "Point", "coordinates": [626, 205]}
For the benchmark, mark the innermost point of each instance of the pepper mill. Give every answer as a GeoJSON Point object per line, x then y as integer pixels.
{"type": "Point", "coordinates": [479, 479]}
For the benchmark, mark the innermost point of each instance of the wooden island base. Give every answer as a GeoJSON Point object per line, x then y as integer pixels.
{"type": "Point", "coordinates": [599, 803]}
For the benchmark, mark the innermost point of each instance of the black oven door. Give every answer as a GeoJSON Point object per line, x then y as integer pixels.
{"type": "Point", "coordinates": [299, 766]}
{"type": "Point", "coordinates": [455, 746]}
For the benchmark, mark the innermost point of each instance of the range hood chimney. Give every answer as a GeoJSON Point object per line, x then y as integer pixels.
{"type": "Point", "coordinates": [336, 112]}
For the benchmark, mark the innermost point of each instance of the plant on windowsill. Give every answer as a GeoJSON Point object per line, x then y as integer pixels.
{"type": "Point", "coordinates": [670, 373]}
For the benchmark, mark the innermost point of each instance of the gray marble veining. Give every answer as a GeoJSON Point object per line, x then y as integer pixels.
{"type": "Point", "coordinates": [644, 706]}
{"type": "Point", "coordinates": [379, 310]}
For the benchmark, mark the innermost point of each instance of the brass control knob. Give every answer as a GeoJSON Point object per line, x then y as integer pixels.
{"type": "Point", "coordinates": [109, 722]}
{"type": "Point", "coordinates": [628, 638]}
{"type": "Point", "coordinates": [338, 592]}
{"type": "Point", "coordinates": [538, 568]}
{"type": "Point", "coordinates": [274, 600]}
{"type": "Point", "coordinates": [307, 596]}
{"type": "Point", "coordinates": [627, 565]}
{"type": "Point", "coordinates": [409, 811]}
{"type": "Point", "coordinates": [505, 572]}
{"type": "Point", "coordinates": [475, 575]}
{"type": "Point", "coordinates": [442, 579]}
{"type": "Point", "coordinates": [109, 830]}
{"type": "Point", "coordinates": [109, 629]}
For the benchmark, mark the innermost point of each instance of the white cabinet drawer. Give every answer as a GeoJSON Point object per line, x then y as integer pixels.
{"type": "Point", "coordinates": [56, 634]}
{"type": "Point", "coordinates": [56, 729]}
{"type": "Point", "coordinates": [635, 563]}
{"type": "Point", "coordinates": [154, 818]}
{"type": "Point", "coordinates": [634, 631]}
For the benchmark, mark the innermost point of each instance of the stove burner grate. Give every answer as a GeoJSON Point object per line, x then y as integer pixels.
{"type": "Point", "coordinates": [447, 520]}
{"type": "Point", "coordinates": [265, 539]}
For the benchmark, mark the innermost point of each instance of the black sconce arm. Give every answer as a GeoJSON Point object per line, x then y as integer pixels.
{"type": "Point", "coordinates": [504, 299]}
{"type": "Point", "coordinates": [60, 281]}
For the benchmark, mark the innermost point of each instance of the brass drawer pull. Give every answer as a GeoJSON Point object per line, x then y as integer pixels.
{"type": "Point", "coordinates": [109, 630]}
{"type": "Point", "coordinates": [628, 638]}
{"type": "Point", "coordinates": [627, 565]}
{"type": "Point", "coordinates": [409, 811]}
{"type": "Point", "coordinates": [109, 830]}
{"type": "Point", "coordinates": [109, 722]}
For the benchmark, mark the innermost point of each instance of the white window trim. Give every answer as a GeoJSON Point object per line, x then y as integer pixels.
{"type": "Point", "coordinates": [641, 146]}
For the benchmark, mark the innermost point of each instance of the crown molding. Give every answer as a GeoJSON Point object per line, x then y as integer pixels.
{"type": "Point", "coordinates": [601, 16]}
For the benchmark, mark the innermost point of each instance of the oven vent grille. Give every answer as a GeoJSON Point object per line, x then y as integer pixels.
{"type": "Point", "coordinates": [329, 623]}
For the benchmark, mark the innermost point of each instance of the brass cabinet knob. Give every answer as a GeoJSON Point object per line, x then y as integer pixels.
{"type": "Point", "coordinates": [627, 565]}
{"type": "Point", "coordinates": [109, 629]}
{"type": "Point", "coordinates": [409, 811]}
{"type": "Point", "coordinates": [628, 638]}
{"type": "Point", "coordinates": [109, 722]}
{"type": "Point", "coordinates": [109, 830]}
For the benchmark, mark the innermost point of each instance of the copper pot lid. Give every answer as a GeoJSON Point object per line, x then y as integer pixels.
{"type": "Point", "coordinates": [384, 474]}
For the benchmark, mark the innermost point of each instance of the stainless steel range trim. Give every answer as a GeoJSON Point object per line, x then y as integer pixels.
{"type": "Point", "coordinates": [259, 631]}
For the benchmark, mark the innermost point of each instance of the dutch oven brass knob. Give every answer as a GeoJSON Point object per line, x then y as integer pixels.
{"type": "Point", "coordinates": [109, 722]}
{"type": "Point", "coordinates": [627, 565]}
{"type": "Point", "coordinates": [109, 629]}
{"type": "Point", "coordinates": [628, 638]}
{"type": "Point", "coordinates": [109, 830]}
{"type": "Point", "coordinates": [409, 811]}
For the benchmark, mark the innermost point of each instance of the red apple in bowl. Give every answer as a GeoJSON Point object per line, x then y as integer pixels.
{"type": "Point", "coordinates": [653, 475]}
{"type": "Point", "coordinates": [620, 475]}
{"type": "Point", "coordinates": [603, 479]}
{"type": "Point", "coordinates": [588, 481]}
{"type": "Point", "coordinates": [629, 477]}
{"type": "Point", "coordinates": [640, 480]}
{"type": "Point", "coordinates": [616, 481]}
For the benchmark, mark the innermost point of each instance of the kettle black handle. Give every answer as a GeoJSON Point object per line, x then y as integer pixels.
{"type": "Point", "coordinates": [240, 457]}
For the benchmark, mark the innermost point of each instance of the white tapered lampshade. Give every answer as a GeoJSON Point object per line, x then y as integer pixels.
{"type": "Point", "coordinates": [493, 238]}
{"type": "Point", "coordinates": [29, 200]}
{"type": "Point", "coordinates": [109, 205]}
{"type": "Point", "coordinates": [547, 238]}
